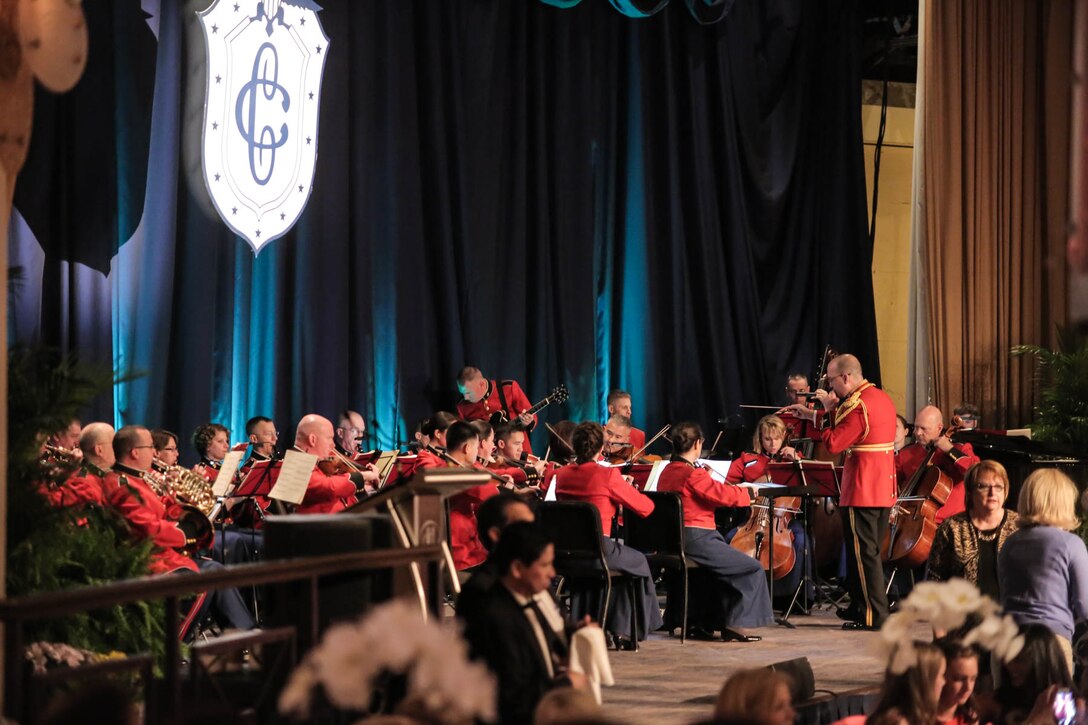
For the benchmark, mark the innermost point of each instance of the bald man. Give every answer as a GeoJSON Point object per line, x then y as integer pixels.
{"type": "Point", "coordinates": [84, 485]}
{"type": "Point", "coordinates": [954, 459]}
{"type": "Point", "coordinates": [325, 494]}
{"type": "Point", "coordinates": [860, 420]}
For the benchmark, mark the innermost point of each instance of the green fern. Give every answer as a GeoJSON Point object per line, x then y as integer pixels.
{"type": "Point", "coordinates": [53, 549]}
{"type": "Point", "coordinates": [1061, 415]}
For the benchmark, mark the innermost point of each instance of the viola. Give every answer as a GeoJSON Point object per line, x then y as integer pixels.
{"type": "Point", "coordinates": [912, 524]}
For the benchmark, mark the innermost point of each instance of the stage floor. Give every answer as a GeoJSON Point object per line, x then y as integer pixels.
{"type": "Point", "coordinates": [668, 683]}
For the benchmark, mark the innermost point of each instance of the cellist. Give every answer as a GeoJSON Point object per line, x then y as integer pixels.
{"type": "Point", "coordinates": [955, 459]}
{"type": "Point", "coordinates": [769, 444]}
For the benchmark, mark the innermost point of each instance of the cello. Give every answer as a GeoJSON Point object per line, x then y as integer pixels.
{"type": "Point", "coordinates": [754, 538]}
{"type": "Point", "coordinates": [912, 524]}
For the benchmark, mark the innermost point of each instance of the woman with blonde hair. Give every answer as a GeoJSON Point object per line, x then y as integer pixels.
{"type": "Point", "coordinates": [1043, 568]}
{"type": "Point", "coordinates": [755, 696]}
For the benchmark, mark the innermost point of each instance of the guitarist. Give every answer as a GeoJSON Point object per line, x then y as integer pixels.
{"type": "Point", "coordinates": [483, 398]}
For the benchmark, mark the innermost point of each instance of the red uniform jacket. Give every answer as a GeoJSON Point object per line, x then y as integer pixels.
{"type": "Point", "coordinates": [127, 492]}
{"type": "Point", "coordinates": [516, 403]}
{"type": "Point", "coordinates": [327, 494]}
{"type": "Point", "coordinates": [603, 487]}
{"type": "Point", "coordinates": [955, 464]}
{"type": "Point", "coordinates": [465, 543]}
{"type": "Point", "coordinates": [801, 427]}
{"type": "Point", "coordinates": [701, 493]}
{"type": "Point", "coordinates": [638, 439]}
{"type": "Point", "coordinates": [863, 425]}
{"type": "Point", "coordinates": [82, 487]}
{"type": "Point", "coordinates": [208, 469]}
{"type": "Point", "coordinates": [748, 467]}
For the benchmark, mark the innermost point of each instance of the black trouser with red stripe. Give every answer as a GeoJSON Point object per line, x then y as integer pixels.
{"type": "Point", "coordinates": [863, 529]}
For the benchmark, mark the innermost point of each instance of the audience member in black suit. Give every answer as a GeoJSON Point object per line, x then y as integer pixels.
{"type": "Point", "coordinates": [493, 516]}
{"type": "Point", "coordinates": [518, 630]}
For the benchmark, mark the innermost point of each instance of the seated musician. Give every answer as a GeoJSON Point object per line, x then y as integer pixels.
{"type": "Point", "coordinates": [435, 432]}
{"type": "Point", "coordinates": [326, 494]}
{"type": "Point", "coordinates": [482, 398]}
{"type": "Point", "coordinates": [902, 432]}
{"type": "Point", "coordinates": [741, 597]}
{"type": "Point", "coordinates": [263, 436]}
{"type": "Point", "coordinates": [67, 439]}
{"type": "Point", "coordinates": [128, 492]}
{"type": "Point", "coordinates": [350, 433]}
{"type": "Point", "coordinates": [969, 414]}
{"type": "Point", "coordinates": [511, 459]}
{"type": "Point", "coordinates": [617, 438]}
{"type": "Point", "coordinates": [420, 439]}
{"type": "Point", "coordinates": [463, 446]}
{"type": "Point", "coordinates": [619, 404]}
{"type": "Point", "coordinates": [796, 385]}
{"type": "Point", "coordinates": [769, 444]}
{"type": "Point", "coordinates": [73, 481]}
{"type": "Point", "coordinates": [212, 443]}
{"type": "Point", "coordinates": [606, 489]}
{"type": "Point", "coordinates": [955, 459]}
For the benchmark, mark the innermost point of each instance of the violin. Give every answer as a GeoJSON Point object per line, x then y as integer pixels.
{"type": "Point", "coordinates": [912, 524]}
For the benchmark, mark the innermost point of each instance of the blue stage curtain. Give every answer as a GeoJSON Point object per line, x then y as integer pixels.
{"type": "Point", "coordinates": [553, 195]}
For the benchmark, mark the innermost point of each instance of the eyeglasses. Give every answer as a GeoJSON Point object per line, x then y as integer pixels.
{"type": "Point", "coordinates": [987, 489]}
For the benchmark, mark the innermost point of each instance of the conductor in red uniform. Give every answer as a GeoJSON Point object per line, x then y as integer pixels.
{"type": "Point", "coordinates": [483, 398]}
{"type": "Point", "coordinates": [860, 420]}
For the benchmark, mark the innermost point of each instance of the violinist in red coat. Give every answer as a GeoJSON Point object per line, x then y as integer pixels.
{"type": "Point", "coordinates": [954, 459]}
{"type": "Point", "coordinates": [742, 598]}
{"type": "Point", "coordinates": [606, 489]}
{"type": "Point", "coordinates": [325, 494]}
{"type": "Point", "coordinates": [463, 446]}
{"type": "Point", "coordinates": [483, 398]}
{"type": "Point", "coordinates": [860, 420]}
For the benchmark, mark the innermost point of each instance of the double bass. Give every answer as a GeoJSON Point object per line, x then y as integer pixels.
{"type": "Point", "coordinates": [912, 524]}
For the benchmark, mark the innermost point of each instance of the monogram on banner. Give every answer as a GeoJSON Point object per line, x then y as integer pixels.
{"type": "Point", "coordinates": [265, 63]}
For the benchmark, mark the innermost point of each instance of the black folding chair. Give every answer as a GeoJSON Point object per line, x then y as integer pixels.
{"type": "Point", "coordinates": [575, 530]}
{"type": "Point", "coordinates": [660, 536]}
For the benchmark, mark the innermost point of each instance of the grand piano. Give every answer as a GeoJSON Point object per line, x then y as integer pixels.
{"type": "Point", "coordinates": [1021, 455]}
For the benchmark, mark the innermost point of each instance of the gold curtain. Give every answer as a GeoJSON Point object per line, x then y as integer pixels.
{"type": "Point", "coordinates": [996, 178]}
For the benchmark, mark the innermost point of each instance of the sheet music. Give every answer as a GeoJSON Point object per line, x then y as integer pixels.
{"type": "Point", "coordinates": [294, 477]}
{"type": "Point", "coordinates": [655, 473]}
{"type": "Point", "coordinates": [383, 465]}
{"type": "Point", "coordinates": [550, 495]}
{"type": "Point", "coordinates": [718, 469]}
{"type": "Point", "coordinates": [225, 480]}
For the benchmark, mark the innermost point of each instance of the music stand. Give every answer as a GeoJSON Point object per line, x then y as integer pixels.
{"type": "Point", "coordinates": [803, 478]}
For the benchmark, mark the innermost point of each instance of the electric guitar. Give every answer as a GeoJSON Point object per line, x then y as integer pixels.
{"type": "Point", "coordinates": [559, 395]}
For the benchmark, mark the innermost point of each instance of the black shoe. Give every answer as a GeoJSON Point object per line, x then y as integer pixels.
{"type": "Point", "coordinates": [846, 613]}
{"type": "Point", "coordinates": [859, 627]}
{"type": "Point", "coordinates": [700, 634]}
{"type": "Point", "coordinates": [623, 643]}
{"type": "Point", "coordinates": [729, 635]}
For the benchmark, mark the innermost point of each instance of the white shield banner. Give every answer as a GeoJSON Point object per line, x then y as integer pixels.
{"type": "Point", "coordinates": [265, 63]}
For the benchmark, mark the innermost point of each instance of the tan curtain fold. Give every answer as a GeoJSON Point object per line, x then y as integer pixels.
{"type": "Point", "coordinates": [996, 179]}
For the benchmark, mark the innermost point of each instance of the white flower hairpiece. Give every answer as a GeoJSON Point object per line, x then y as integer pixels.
{"type": "Point", "coordinates": [394, 638]}
{"type": "Point", "coordinates": [948, 606]}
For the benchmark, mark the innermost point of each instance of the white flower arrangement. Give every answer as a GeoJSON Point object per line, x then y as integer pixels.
{"type": "Point", "coordinates": [947, 606]}
{"type": "Point", "coordinates": [394, 638]}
